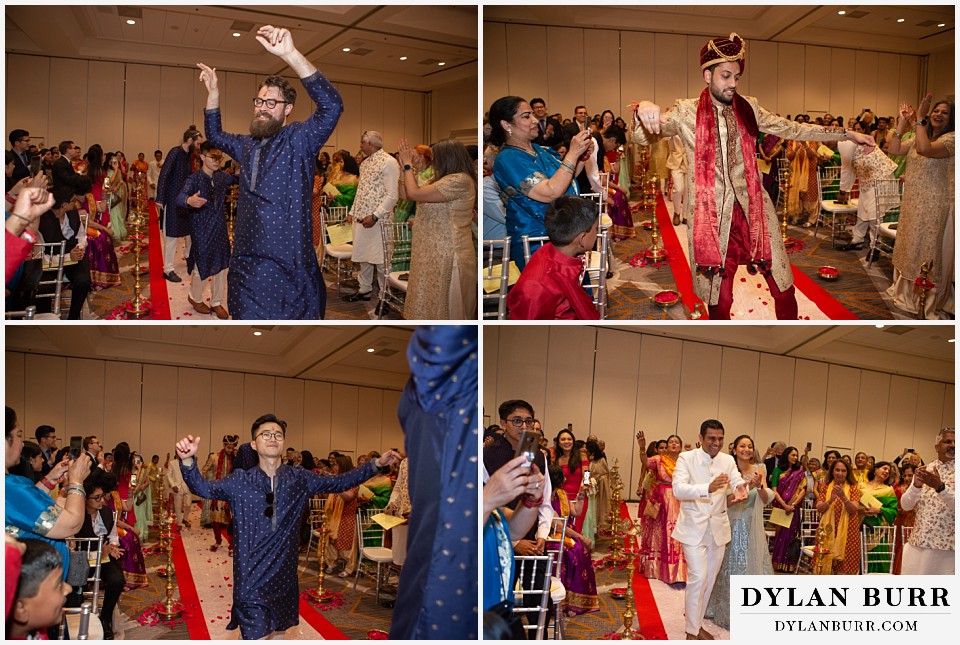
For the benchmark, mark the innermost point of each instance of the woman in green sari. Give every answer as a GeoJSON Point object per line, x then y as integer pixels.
{"type": "Point", "coordinates": [884, 516]}
{"type": "Point", "coordinates": [342, 178]}
{"type": "Point", "coordinates": [115, 194]}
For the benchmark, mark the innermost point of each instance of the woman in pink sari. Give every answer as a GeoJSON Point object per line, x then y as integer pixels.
{"type": "Point", "coordinates": [572, 463]}
{"type": "Point", "coordinates": [665, 560]}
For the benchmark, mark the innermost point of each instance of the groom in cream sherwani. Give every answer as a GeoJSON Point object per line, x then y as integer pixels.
{"type": "Point", "coordinates": [701, 481]}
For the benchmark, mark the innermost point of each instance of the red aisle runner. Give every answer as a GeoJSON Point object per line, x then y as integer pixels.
{"type": "Point", "coordinates": [823, 300]}
{"type": "Point", "coordinates": [158, 284]}
{"type": "Point", "coordinates": [679, 265]}
{"type": "Point", "coordinates": [194, 620]}
{"type": "Point", "coordinates": [319, 623]}
{"type": "Point", "coordinates": [646, 605]}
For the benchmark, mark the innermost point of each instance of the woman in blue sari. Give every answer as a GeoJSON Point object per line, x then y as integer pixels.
{"type": "Point", "coordinates": [529, 176]}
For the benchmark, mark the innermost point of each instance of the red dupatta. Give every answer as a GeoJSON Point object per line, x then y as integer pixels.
{"type": "Point", "coordinates": [706, 220]}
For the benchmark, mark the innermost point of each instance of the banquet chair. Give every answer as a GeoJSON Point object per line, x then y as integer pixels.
{"type": "Point", "coordinates": [342, 253]}
{"type": "Point", "coordinates": [809, 523]}
{"type": "Point", "coordinates": [315, 518]}
{"type": "Point", "coordinates": [558, 526]}
{"type": "Point", "coordinates": [493, 259]}
{"type": "Point", "coordinates": [27, 314]}
{"type": "Point", "coordinates": [397, 244]}
{"type": "Point", "coordinates": [370, 540]}
{"type": "Point", "coordinates": [828, 186]}
{"type": "Point", "coordinates": [93, 548]}
{"type": "Point", "coordinates": [886, 193]}
{"type": "Point", "coordinates": [603, 218]}
{"type": "Point", "coordinates": [54, 258]}
{"type": "Point", "coordinates": [595, 268]}
{"type": "Point", "coordinates": [526, 567]}
{"type": "Point", "coordinates": [81, 624]}
{"type": "Point", "coordinates": [877, 548]}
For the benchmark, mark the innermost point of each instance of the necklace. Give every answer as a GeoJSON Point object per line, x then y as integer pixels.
{"type": "Point", "coordinates": [529, 152]}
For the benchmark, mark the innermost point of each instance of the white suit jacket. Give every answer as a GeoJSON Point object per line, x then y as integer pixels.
{"type": "Point", "coordinates": [691, 478]}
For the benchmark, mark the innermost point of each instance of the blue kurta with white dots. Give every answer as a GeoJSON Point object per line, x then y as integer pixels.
{"type": "Point", "coordinates": [175, 221]}
{"type": "Point", "coordinates": [274, 274]}
{"type": "Point", "coordinates": [437, 597]}
{"type": "Point", "coordinates": [265, 587]}
{"type": "Point", "coordinates": [210, 246]}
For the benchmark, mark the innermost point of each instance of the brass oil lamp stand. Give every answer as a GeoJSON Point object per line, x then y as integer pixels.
{"type": "Point", "coordinates": [784, 178]}
{"type": "Point", "coordinates": [319, 594]}
{"type": "Point", "coordinates": [169, 611]}
{"type": "Point", "coordinates": [138, 307]}
{"type": "Point", "coordinates": [616, 485]}
{"type": "Point", "coordinates": [629, 633]}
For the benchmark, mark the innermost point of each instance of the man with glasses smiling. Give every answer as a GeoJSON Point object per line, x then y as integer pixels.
{"type": "Point", "coordinates": [274, 272]}
{"type": "Point", "coordinates": [267, 503]}
{"type": "Point", "coordinates": [203, 195]}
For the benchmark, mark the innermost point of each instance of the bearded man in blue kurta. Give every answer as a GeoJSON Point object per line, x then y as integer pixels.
{"type": "Point", "coordinates": [267, 503]}
{"type": "Point", "coordinates": [274, 274]}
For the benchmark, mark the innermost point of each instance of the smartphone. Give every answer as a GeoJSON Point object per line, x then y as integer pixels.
{"type": "Point", "coordinates": [809, 446]}
{"type": "Point", "coordinates": [75, 452]}
{"type": "Point", "coordinates": [528, 445]}
{"type": "Point", "coordinates": [586, 478]}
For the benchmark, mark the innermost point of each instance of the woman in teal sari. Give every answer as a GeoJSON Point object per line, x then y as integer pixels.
{"type": "Point", "coordinates": [115, 194]}
{"type": "Point", "coordinates": [342, 179]}
{"type": "Point", "coordinates": [875, 517]}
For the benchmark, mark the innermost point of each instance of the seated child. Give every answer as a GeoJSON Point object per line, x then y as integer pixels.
{"type": "Point", "coordinates": [550, 286]}
{"type": "Point", "coordinates": [41, 593]}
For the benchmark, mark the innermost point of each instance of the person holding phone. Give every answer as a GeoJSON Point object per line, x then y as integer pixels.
{"type": "Point", "coordinates": [573, 462]}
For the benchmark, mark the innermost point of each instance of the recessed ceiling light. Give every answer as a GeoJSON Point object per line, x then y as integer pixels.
{"type": "Point", "coordinates": [900, 19]}
{"type": "Point", "coordinates": [258, 333]}
{"type": "Point", "coordinates": [841, 13]}
{"type": "Point", "coordinates": [405, 58]}
{"type": "Point", "coordinates": [942, 24]}
{"type": "Point", "coordinates": [346, 49]}
{"type": "Point", "coordinates": [236, 34]}
{"type": "Point", "coordinates": [371, 350]}
{"type": "Point", "coordinates": [441, 64]}
{"type": "Point", "coordinates": [131, 22]}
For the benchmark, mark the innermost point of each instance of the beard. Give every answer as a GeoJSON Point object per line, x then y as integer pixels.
{"type": "Point", "coordinates": [262, 129]}
{"type": "Point", "coordinates": [720, 96]}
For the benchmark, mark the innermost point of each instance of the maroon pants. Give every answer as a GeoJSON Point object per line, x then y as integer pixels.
{"type": "Point", "coordinates": [738, 252]}
{"type": "Point", "coordinates": [221, 529]}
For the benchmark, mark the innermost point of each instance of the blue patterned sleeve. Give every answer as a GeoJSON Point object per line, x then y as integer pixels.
{"type": "Point", "coordinates": [217, 489]}
{"type": "Point", "coordinates": [321, 123]}
{"type": "Point", "coordinates": [188, 189]}
{"type": "Point", "coordinates": [339, 483]}
{"type": "Point", "coordinates": [229, 143]}
{"type": "Point", "coordinates": [28, 508]}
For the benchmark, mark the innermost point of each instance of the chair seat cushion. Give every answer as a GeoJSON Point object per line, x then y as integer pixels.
{"type": "Point", "coordinates": [342, 251]}
{"type": "Point", "coordinates": [889, 229]}
{"type": "Point", "coordinates": [395, 282]}
{"type": "Point", "coordinates": [377, 553]}
{"type": "Point", "coordinates": [557, 592]}
{"type": "Point", "coordinates": [832, 206]}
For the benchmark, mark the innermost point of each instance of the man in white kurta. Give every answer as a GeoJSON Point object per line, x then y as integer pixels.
{"type": "Point", "coordinates": [930, 549]}
{"type": "Point", "coordinates": [701, 481]}
{"type": "Point", "coordinates": [377, 193]}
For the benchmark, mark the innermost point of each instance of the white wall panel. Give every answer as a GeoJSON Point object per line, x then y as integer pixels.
{"type": "Point", "coordinates": [226, 416]}
{"type": "Point", "coordinates": [122, 402]}
{"type": "Point", "coordinates": [289, 407]}
{"type": "Point", "coordinates": [564, 72]}
{"type": "Point", "coordinates": [888, 94]}
{"type": "Point", "coordinates": [739, 378]}
{"type": "Point", "coordinates": [699, 388]}
{"type": "Point", "coordinates": [871, 417]}
{"type": "Point", "coordinates": [104, 95]}
{"type": "Point", "coordinates": [670, 83]}
{"type": "Point", "coordinates": [141, 112]}
{"type": "Point", "coordinates": [85, 412]}
{"type": "Point", "coordinates": [68, 118]}
{"type": "Point", "coordinates": [948, 420]}
{"type": "Point", "coordinates": [491, 359]}
{"type": "Point", "coordinates": [174, 98]}
{"type": "Point", "coordinates": [194, 408]}
{"type": "Point", "coordinates": [865, 81]}
{"type": "Point", "coordinates": [13, 379]}
{"type": "Point", "coordinates": [842, 64]}
{"type": "Point", "coordinates": [158, 417]}
{"type": "Point", "coordinates": [522, 371]}
{"type": "Point", "coordinates": [350, 126]}
{"type": "Point", "coordinates": [528, 65]}
{"type": "Point", "coordinates": [790, 63]}
{"type": "Point", "coordinates": [601, 55]}
{"type": "Point", "coordinates": [46, 393]}
{"type": "Point", "coordinates": [901, 411]}
{"type": "Point", "coordinates": [369, 420]}
{"type": "Point", "coordinates": [658, 386]}
{"type": "Point", "coordinates": [30, 75]}
{"type": "Point", "coordinates": [317, 405]}
{"type": "Point", "coordinates": [775, 401]}
{"type": "Point", "coordinates": [259, 396]}
{"type": "Point", "coordinates": [636, 69]}
{"type": "Point", "coordinates": [761, 69]}
{"type": "Point", "coordinates": [496, 75]}
{"type": "Point", "coordinates": [929, 416]}
{"type": "Point", "coordinates": [391, 433]}
{"type": "Point", "coordinates": [236, 102]}
{"type": "Point", "coordinates": [570, 370]}
{"type": "Point", "coordinates": [344, 414]}
{"type": "Point", "coordinates": [843, 394]}
{"type": "Point", "coordinates": [371, 109]}
{"type": "Point", "coordinates": [816, 93]}
{"type": "Point", "coordinates": [614, 411]}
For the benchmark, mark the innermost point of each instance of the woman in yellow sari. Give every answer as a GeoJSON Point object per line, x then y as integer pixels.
{"type": "Point", "coordinates": [839, 532]}
{"type": "Point", "coordinates": [341, 514]}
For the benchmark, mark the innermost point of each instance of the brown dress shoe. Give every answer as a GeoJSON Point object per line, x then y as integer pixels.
{"type": "Point", "coordinates": [199, 307]}
{"type": "Point", "coordinates": [704, 635]}
{"type": "Point", "coordinates": [221, 312]}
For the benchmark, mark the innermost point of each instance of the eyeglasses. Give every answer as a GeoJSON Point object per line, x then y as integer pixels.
{"type": "Point", "coordinates": [519, 421]}
{"type": "Point", "coordinates": [96, 498]}
{"type": "Point", "coordinates": [215, 157]}
{"type": "Point", "coordinates": [268, 511]}
{"type": "Point", "coordinates": [24, 140]}
{"type": "Point", "coordinates": [270, 103]}
{"type": "Point", "coordinates": [278, 435]}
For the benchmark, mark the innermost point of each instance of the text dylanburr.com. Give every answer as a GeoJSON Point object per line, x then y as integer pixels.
{"type": "Point", "coordinates": [882, 608]}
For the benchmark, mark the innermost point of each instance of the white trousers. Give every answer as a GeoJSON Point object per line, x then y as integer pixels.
{"type": "Point", "coordinates": [703, 564]}
{"type": "Point", "coordinates": [679, 185]}
{"type": "Point", "coordinates": [918, 561]}
{"type": "Point", "coordinates": [170, 247]}
{"type": "Point", "coordinates": [218, 287]}
{"type": "Point", "coordinates": [181, 507]}
{"type": "Point", "coordinates": [365, 277]}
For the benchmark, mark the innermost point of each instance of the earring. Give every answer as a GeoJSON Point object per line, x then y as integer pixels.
{"type": "Point", "coordinates": [509, 132]}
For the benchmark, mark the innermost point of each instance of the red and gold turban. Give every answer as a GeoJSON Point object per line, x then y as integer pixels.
{"type": "Point", "coordinates": [723, 50]}
{"type": "Point", "coordinates": [231, 440]}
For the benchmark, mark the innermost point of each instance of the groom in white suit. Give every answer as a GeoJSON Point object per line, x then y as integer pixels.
{"type": "Point", "coordinates": [701, 481]}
